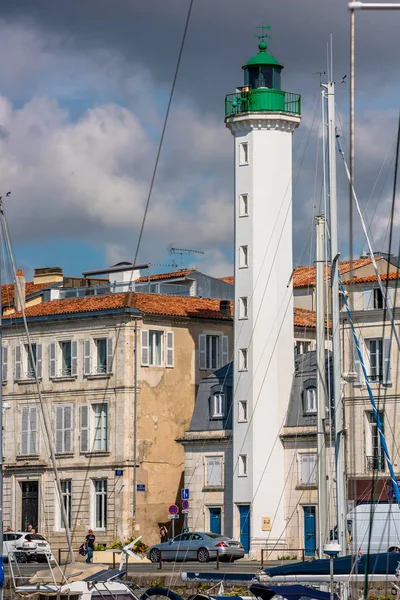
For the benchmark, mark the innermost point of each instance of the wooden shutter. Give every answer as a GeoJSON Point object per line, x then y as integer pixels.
{"type": "Point", "coordinates": [52, 360]}
{"type": "Point", "coordinates": [4, 363]}
{"type": "Point", "coordinates": [39, 360]}
{"type": "Point", "coordinates": [387, 362]}
{"type": "Point", "coordinates": [74, 358]}
{"type": "Point", "coordinates": [390, 297]}
{"type": "Point", "coordinates": [17, 362]}
{"type": "Point", "coordinates": [214, 471]}
{"type": "Point", "coordinates": [368, 299]}
{"type": "Point", "coordinates": [33, 430]}
{"type": "Point", "coordinates": [368, 435]}
{"type": "Point", "coordinates": [24, 449]}
{"type": "Point", "coordinates": [59, 429]}
{"type": "Point", "coordinates": [225, 357]}
{"type": "Point", "coordinates": [202, 351]}
{"type": "Point", "coordinates": [68, 428]}
{"type": "Point", "coordinates": [145, 348]}
{"type": "Point", "coordinates": [110, 355]}
{"type": "Point", "coordinates": [87, 359]}
{"type": "Point", "coordinates": [169, 349]}
{"type": "Point", "coordinates": [85, 428]}
{"type": "Point", "coordinates": [357, 363]}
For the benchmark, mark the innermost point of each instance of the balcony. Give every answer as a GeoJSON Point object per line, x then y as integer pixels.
{"type": "Point", "coordinates": [375, 463]}
{"type": "Point", "coordinates": [262, 100]}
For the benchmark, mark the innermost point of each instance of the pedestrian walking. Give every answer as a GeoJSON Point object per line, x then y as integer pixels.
{"type": "Point", "coordinates": [89, 545]}
{"type": "Point", "coordinates": [163, 534]}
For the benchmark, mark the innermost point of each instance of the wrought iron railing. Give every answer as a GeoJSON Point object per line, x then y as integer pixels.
{"type": "Point", "coordinates": [262, 100]}
{"type": "Point", "coordinates": [375, 463]}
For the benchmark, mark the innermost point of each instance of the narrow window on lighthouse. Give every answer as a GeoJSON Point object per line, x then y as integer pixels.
{"type": "Point", "coordinates": [243, 257]}
{"type": "Point", "coordinates": [242, 465]}
{"type": "Point", "coordinates": [243, 205]}
{"type": "Point", "coordinates": [244, 153]}
{"type": "Point", "coordinates": [243, 308]}
{"type": "Point", "coordinates": [243, 366]}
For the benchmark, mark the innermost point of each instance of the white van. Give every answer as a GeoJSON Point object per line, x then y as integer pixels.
{"type": "Point", "coordinates": [374, 527]}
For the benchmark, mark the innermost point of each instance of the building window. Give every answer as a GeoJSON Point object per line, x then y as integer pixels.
{"type": "Point", "coordinates": [63, 359]}
{"type": "Point", "coordinates": [310, 400]}
{"type": "Point", "coordinates": [66, 358]}
{"type": "Point", "coordinates": [213, 351]}
{"type": "Point", "coordinates": [243, 362]}
{"type": "Point", "coordinates": [379, 360]}
{"type": "Point", "coordinates": [98, 356]}
{"type": "Point", "coordinates": [100, 503]}
{"type": "Point", "coordinates": [214, 471]}
{"type": "Point", "coordinates": [302, 346]}
{"type": "Point", "coordinates": [243, 257]}
{"type": "Point", "coordinates": [242, 465]}
{"type": "Point", "coordinates": [94, 428]}
{"type": "Point", "coordinates": [243, 153]}
{"type": "Point", "coordinates": [4, 365]}
{"type": "Point", "coordinates": [66, 487]}
{"type": "Point", "coordinates": [218, 406]}
{"type": "Point", "coordinates": [373, 298]}
{"type": "Point", "coordinates": [29, 430]}
{"type": "Point", "coordinates": [243, 205]}
{"type": "Point", "coordinates": [63, 428]}
{"type": "Point", "coordinates": [25, 361]}
{"type": "Point", "coordinates": [243, 304]}
{"type": "Point", "coordinates": [242, 414]}
{"type": "Point", "coordinates": [308, 472]}
{"type": "Point", "coordinates": [157, 348]}
{"type": "Point", "coordinates": [374, 455]}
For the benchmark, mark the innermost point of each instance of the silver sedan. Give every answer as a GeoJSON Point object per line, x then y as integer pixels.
{"type": "Point", "coordinates": [196, 546]}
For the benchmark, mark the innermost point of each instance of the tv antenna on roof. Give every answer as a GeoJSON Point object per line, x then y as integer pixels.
{"type": "Point", "coordinates": [182, 251]}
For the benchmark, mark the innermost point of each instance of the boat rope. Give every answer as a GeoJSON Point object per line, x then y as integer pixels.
{"type": "Point", "coordinates": [371, 396]}
{"type": "Point", "coordinates": [384, 290]}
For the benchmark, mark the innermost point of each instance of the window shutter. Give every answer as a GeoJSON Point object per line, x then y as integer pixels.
{"type": "Point", "coordinates": [52, 360]}
{"type": "Point", "coordinates": [17, 361]}
{"type": "Point", "coordinates": [33, 430]}
{"type": "Point", "coordinates": [87, 361]}
{"type": "Point", "coordinates": [145, 348]}
{"type": "Point", "coordinates": [368, 299]}
{"type": "Point", "coordinates": [110, 357]}
{"type": "Point", "coordinates": [58, 432]}
{"type": "Point", "coordinates": [368, 435]}
{"type": "Point", "coordinates": [4, 363]}
{"type": "Point", "coordinates": [169, 354]}
{"type": "Point", "coordinates": [390, 297]}
{"type": "Point", "coordinates": [357, 363]}
{"type": "Point", "coordinates": [39, 360]}
{"type": "Point", "coordinates": [24, 430]}
{"type": "Point", "coordinates": [225, 357]}
{"type": "Point", "coordinates": [68, 429]}
{"type": "Point", "coordinates": [214, 471]}
{"type": "Point", "coordinates": [74, 358]}
{"type": "Point", "coordinates": [202, 351]}
{"type": "Point", "coordinates": [85, 428]}
{"type": "Point", "coordinates": [387, 362]}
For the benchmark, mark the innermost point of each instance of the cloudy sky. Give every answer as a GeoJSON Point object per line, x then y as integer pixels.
{"type": "Point", "coordinates": [84, 86]}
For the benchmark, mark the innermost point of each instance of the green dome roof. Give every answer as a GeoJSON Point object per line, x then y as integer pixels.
{"type": "Point", "coordinates": [262, 58]}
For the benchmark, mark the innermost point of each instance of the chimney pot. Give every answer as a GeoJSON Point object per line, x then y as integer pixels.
{"type": "Point", "coordinates": [225, 307]}
{"type": "Point", "coordinates": [48, 275]}
{"type": "Point", "coordinates": [19, 291]}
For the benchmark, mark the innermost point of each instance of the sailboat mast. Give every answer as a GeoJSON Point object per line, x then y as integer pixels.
{"type": "Point", "coordinates": [341, 503]}
{"type": "Point", "coordinates": [1, 426]}
{"type": "Point", "coordinates": [321, 388]}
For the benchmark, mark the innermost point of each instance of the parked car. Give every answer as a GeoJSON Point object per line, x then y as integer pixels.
{"type": "Point", "coordinates": [196, 546]}
{"type": "Point", "coordinates": [26, 546]}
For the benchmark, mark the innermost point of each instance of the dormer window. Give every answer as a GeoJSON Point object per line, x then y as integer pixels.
{"type": "Point", "coordinates": [310, 400]}
{"type": "Point", "coordinates": [217, 406]}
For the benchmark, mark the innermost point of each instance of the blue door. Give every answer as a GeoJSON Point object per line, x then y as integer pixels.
{"type": "Point", "coordinates": [244, 512]}
{"type": "Point", "coordinates": [309, 530]}
{"type": "Point", "coordinates": [215, 520]}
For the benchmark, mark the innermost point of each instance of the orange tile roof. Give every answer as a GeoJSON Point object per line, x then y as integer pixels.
{"type": "Point", "coordinates": [152, 304]}
{"type": "Point", "coordinates": [230, 279]}
{"type": "Point", "coordinates": [7, 290]}
{"type": "Point", "coordinates": [371, 278]}
{"type": "Point", "coordinates": [303, 317]}
{"type": "Point", "coordinates": [304, 276]}
{"type": "Point", "coordinates": [172, 275]}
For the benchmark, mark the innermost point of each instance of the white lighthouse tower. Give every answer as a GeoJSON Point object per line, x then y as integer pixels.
{"type": "Point", "coordinates": [262, 119]}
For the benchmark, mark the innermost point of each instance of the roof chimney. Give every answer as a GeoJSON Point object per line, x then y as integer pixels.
{"type": "Point", "coordinates": [19, 291]}
{"type": "Point", "coordinates": [48, 275]}
{"type": "Point", "coordinates": [225, 307]}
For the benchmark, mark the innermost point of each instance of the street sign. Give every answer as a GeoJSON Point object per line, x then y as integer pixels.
{"type": "Point", "coordinates": [170, 517]}
{"type": "Point", "coordinates": [185, 494]}
{"type": "Point", "coordinates": [185, 504]}
{"type": "Point", "coordinates": [119, 472]}
{"type": "Point", "coordinates": [141, 487]}
{"type": "Point", "coordinates": [185, 512]}
{"type": "Point", "coordinates": [173, 509]}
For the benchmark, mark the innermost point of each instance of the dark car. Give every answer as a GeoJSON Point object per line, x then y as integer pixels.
{"type": "Point", "coordinates": [196, 545]}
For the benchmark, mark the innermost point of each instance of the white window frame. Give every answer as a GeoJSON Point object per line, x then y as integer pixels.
{"type": "Point", "coordinates": [306, 457]}
{"type": "Point", "coordinates": [4, 366]}
{"type": "Point", "coordinates": [243, 307]}
{"type": "Point", "coordinates": [243, 415]}
{"type": "Point", "coordinates": [310, 400]}
{"type": "Point", "coordinates": [90, 356]}
{"type": "Point", "coordinates": [243, 205]}
{"type": "Point", "coordinates": [243, 465]}
{"type": "Point", "coordinates": [218, 404]}
{"type": "Point", "coordinates": [22, 361]}
{"type": "Point", "coordinates": [89, 430]}
{"type": "Point", "coordinates": [67, 500]}
{"type": "Point", "coordinates": [243, 153]}
{"type": "Point", "coordinates": [104, 494]}
{"type": "Point", "coordinates": [206, 354]}
{"type": "Point", "coordinates": [302, 346]}
{"type": "Point", "coordinates": [32, 413]}
{"type": "Point", "coordinates": [371, 432]}
{"type": "Point", "coordinates": [244, 256]}
{"type": "Point", "coordinates": [105, 426]}
{"type": "Point", "coordinates": [60, 433]}
{"type": "Point", "coordinates": [167, 352]}
{"type": "Point", "coordinates": [243, 359]}
{"type": "Point", "coordinates": [207, 460]}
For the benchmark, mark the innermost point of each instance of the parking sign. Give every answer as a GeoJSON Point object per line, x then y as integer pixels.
{"type": "Point", "coordinates": [185, 494]}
